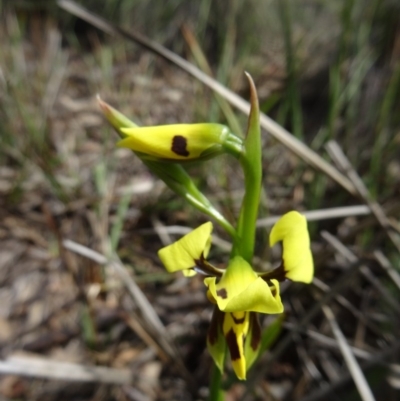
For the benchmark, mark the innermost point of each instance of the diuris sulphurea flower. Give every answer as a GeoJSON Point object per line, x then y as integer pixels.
{"type": "Point", "coordinates": [181, 142]}
{"type": "Point", "coordinates": [157, 153]}
{"type": "Point", "coordinates": [238, 292]}
{"type": "Point", "coordinates": [175, 142]}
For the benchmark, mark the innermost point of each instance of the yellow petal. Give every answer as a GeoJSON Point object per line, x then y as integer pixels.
{"type": "Point", "coordinates": [235, 329]}
{"type": "Point", "coordinates": [240, 289]}
{"type": "Point", "coordinates": [183, 253]}
{"type": "Point", "coordinates": [175, 141]}
{"type": "Point", "coordinates": [189, 273]}
{"type": "Point", "coordinates": [292, 230]}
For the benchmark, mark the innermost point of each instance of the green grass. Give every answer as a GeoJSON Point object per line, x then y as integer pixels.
{"type": "Point", "coordinates": [362, 92]}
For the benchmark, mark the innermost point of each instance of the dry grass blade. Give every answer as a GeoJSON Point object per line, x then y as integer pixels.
{"type": "Point", "coordinates": [47, 369]}
{"type": "Point", "coordinates": [274, 129]}
{"type": "Point", "coordinates": [134, 394]}
{"type": "Point", "coordinates": [313, 215]}
{"type": "Point", "coordinates": [344, 164]}
{"type": "Point", "coordinates": [351, 362]}
{"type": "Point", "coordinates": [183, 230]}
{"type": "Point", "coordinates": [340, 299]}
{"type": "Point", "coordinates": [149, 314]}
{"type": "Point", "coordinates": [161, 231]}
{"type": "Point", "coordinates": [364, 270]}
{"type": "Point", "coordinates": [135, 324]}
{"type": "Point", "coordinates": [328, 342]}
{"type": "Point", "coordinates": [387, 266]}
{"type": "Point", "coordinates": [322, 214]}
{"type": "Point", "coordinates": [57, 74]}
{"type": "Point", "coordinates": [256, 375]}
{"type": "Point", "coordinates": [202, 62]}
{"type": "Point", "coordinates": [378, 358]}
{"type": "Point", "coordinates": [394, 377]}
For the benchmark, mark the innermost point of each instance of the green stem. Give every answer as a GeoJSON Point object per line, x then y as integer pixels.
{"type": "Point", "coordinates": [293, 93]}
{"type": "Point", "coordinates": [251, 164]}
{"type": "Point", "coordinates": [177, 179]}
{"type": "Point", "coordinates": [206, 207]}
{"type": "Point", "coordinates": [173, 174]}
{"type": "Point", "coordinates": [216, 393]}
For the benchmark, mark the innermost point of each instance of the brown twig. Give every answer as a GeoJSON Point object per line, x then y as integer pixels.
{"type": "Point", "coordinates": [344, 164]}
{"type": "Point", "coordinates": [153, 322]}
{"type": "Point", "coordinates": [356, 372]}
{"type": "Point", "coordinates": [48, 369]}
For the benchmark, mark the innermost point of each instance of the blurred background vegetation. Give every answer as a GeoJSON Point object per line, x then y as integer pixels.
{"type": "Point", "coordinates": [323, 69]}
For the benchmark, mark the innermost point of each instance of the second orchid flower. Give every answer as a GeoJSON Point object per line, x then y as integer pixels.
{"type": "Point", "coordinates": [238, 292]}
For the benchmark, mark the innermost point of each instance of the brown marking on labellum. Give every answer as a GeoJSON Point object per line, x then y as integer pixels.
{"type": "Point", "coordinates": [179, 145]}
{"type": "Point", "coordinates": [215, 325]}
{"type": "Point", "coordinates": [232, 345]}
{"type": "Point", "coordinates": [238, 320]}
{"type": "Point", "coordinates": [255, 330]}
{"type": "Point", "coordinates": [272, 288]}
{"type": "Point", "coordinates": [222, 293]}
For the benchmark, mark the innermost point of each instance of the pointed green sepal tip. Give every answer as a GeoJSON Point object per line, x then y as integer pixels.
{"type": "Point", "coordinates": [185, 253]}
{"type": "Point", "coordinates": [252, 167]}
{"type": "Point", "coordinates": [292, 230]}
{"type": "Point", "coordinates": [117, 120]}
{"type": "Point", "coordinates": [253, 137]}
{"type": "Point", "coordinates": [241, 289]}
{"type": "Point", "coordinates": [254, 116]}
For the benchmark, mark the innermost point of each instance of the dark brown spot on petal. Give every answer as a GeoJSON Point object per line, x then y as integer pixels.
{"type": "Point", "coordinates": [215, 326]}
{"type": "Point", "coordinates": [222, 293]}
{"type": "Point", "coordinates": [255, 331]}
{"type": "Point", "coordinates": [232, 345]}
{"type": "Point", "coordinates": [272, 288]}
{"type": "Point", "coordinates": [238, 320]}
{"type": "Point", "coordinates": [179, 145]}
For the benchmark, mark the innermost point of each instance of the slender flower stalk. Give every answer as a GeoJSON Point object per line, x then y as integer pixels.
{"type": "Point", "coordinates": [174, 175]}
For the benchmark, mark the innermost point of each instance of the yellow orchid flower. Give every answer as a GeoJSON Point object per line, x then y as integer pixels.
{"type": "Point", "coordinates": [180, 142]}
{"type": "Point", "coordinates": [241, 289]}
{"type": "Point", "coordinates": [238, 291]}
{"type": "Point", "coordinates": [292, 230]}
{"type": "Point", "coordinates": [241, 332]}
